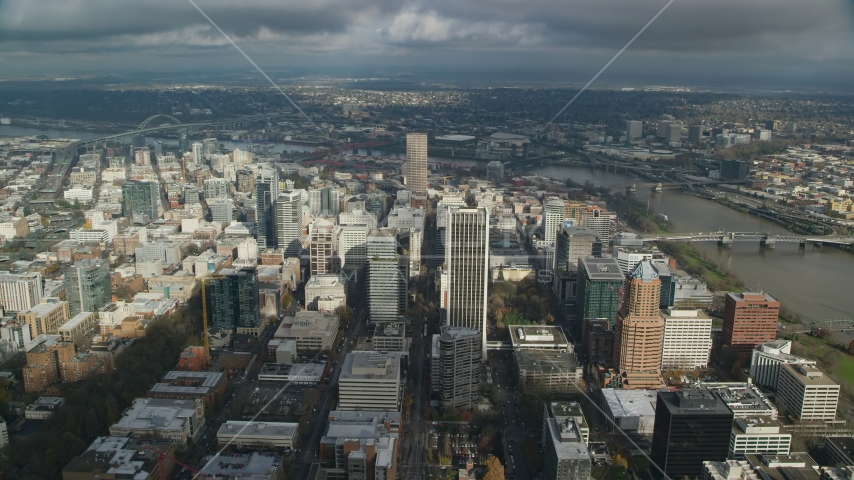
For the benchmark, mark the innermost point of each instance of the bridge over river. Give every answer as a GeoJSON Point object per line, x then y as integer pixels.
{"type": "Point", "coordinates": [768, 240]}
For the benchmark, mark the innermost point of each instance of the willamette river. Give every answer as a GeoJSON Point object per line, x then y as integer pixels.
{"type": "Point", "coordinates": [811, 282]}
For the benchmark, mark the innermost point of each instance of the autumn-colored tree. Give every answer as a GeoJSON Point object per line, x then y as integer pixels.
{"type": "Point", "coordinates": [494, 469]}
{"type": "Point", "coordinates": [851, 347]}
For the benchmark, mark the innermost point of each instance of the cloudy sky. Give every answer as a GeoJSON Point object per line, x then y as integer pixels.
{"type": "Point", "coordinates": [776, 43]}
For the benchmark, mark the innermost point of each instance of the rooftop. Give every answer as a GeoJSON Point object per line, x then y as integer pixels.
{"type": "Point", "coordinates": [257, 429]}
{"type": "Point", "coordinates": [602, 269]}
{"type": "Point", "coordinates": [809, 375]}
{"type": "Point", "coordinates": [251, 467]}
{"type": "Point", "coordinates": [359, 365]}
{"type": "Point", "coordinates": [630, 403]}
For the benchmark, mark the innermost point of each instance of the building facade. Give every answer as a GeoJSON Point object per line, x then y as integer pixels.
{"type": "Point", "coordinates": [87, 285]}
{"type": "Point", "coordinates": [467, 264]}
{"type": "Point", "coordinates": [639, 331]}
{"type": "Point", "coordinates": [232, 300]}
{"type": "Point", "coordinates": [416, 163]}
{"type": "Point", "coordinates": [750, 319]}
{"type": "Point", "coordinates": [460, 359]}
{"type": "Point", "coordinates": [140, 201]}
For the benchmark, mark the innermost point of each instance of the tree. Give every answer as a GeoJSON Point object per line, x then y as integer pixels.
{"type": "Point", "coordinates": [851, 348]}
{"type": "Point", "coordinates": [494, 469]}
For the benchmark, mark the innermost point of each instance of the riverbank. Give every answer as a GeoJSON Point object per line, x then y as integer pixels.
{"type": "Point", "coordinates": [716, 277]}
{"type": "Point", "coordinates": [633, 211]}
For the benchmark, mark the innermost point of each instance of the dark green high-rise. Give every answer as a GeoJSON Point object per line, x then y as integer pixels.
{"type": "Point", "coordinates": [599, 283]}
{"type": "Point", "coordinates": [231, 299]}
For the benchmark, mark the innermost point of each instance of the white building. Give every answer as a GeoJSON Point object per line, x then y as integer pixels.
{"type": "Point", "coordinates": [86, 235]}
{"type": "Point", "coordinates": [43, 408]}
{"type": "Point", "coordinates": [807, 392]}
{"type": "Point", "coordinates": [406, 217]}
{"type": "Point", "coordinates": [758, 435]}
{"type": "Point", "coordinates": [20, 292]}
{"type": "Point", "coordinates": [728, 470]}
{"type": "Point", "coordinates": [628, 258]}
{"type": "Point", "coordinates": [222, 209]}
{"type": "Point", "coordinates": [687, 339]}
{"type": "Point", "coordinates": [175, 420]}
{"type": "Point", "coordinates": [369, 381]}
{"type": "Point", "coordinates": [358, 217]}
{"type": "Point", "coordinates": [265, 435]}
{"type": "Point", "coordinates": [767, 360]}
{"type": "Point", "coordinates": [387, 277]}
{"type": "Point", "coordinates": [631, 410]}
{"type": "Point", "coordinates": [311, 330]}
{"type": "Point", "coordinates": [352, 248]}
{"type": "Point", "coordinates": [324, 287]}
{"type": "Point", "coordinates": [289, 221]}
{"type": "Point", "coordinates": [78, 192]}
{"type": "Point", "coordinates": [467, 262]}
{"type": "Point", "coordinates": [553, 216]}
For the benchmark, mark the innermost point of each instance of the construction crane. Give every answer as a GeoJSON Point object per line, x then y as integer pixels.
{"type": "Point", "coordinates": [445, 179]}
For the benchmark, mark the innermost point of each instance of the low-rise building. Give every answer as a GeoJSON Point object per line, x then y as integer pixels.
{"type": "Point", "coordinates": [840, 450]}
{"type": "Point", "coordinates": [255, 466]}
{"type": "Point", "coordinates": [263, 435]}
{"type": "Point", "coordinates": [296, 373]}
{"type": "Point", "coordinates": [45, 317]}
{"type": "Point", "coordinates": [728, 470]}
{"type": "Point", "coordinates": [762, 435]}
{"type": "Point", "coordinates": [121, 457]}
{"type": "Point", "coordinates": [43, 408]}
{"type": "Point", "coordinates": [78, 326]}
{"type": "Point", "coordinates": [361, 442]}
{"type": "Point", "coordinates": [187, 385]}
{"type": "Point", "coordinates": [744, 398]}
{"type": "Point", "coordinates": [630, 410]}
{"type": "Point", "coordinates": [175, 420]}
{"type": "Point", "coordinates": [539, 337]}
{"type": "Point", "coordinates": [390, 337]}
{"type": "Point", "coordinates": [326, 287]}
{"type": "Point", "coordinates": [312, 331]}
{"type": "Point", "coordinates": [370, 381]}
{"type": "Point", "coordinates": [550, 370]}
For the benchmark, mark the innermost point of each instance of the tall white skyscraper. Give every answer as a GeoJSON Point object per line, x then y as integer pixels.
{"type": "Point", "coordinates": [387, 284]}
{"type": "Point", "coordinates": [416, 163]}
{"type": "Point", "coordinates": [288, 222]}
{"type": "Point", "coordinates": [266, 192]}
{"type": "Point", "coordinates": [198, 150]}
{"type": "Point", "coordinates": [553, 215]}
{"type": "Point", "coordinates": [467, 263]}
{"type": "Point", "coordinates": [352, 247]}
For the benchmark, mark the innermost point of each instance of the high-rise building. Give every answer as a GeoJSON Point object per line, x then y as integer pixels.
{"type": "Point", "coordinates": [674, 133]}
{"type": "Point", "coordinates": [574, 243]}
{"type": "Point", "coordinates": [687, 339]}
{"type": "Point", "coordinates": [599, 221]}
{"type": "Point", "coordinates": [266, 195]}
{"type": "Point", "coordinates": [87, 285]}
{"type": "Point", "coordinates": [767, 360]}
{"type": "Point", "coordinates": [695, 133]}
{"type": "Point", "coordinates": [20, 292]}
{"type": "Point", "coordinates": [416, 163]}
{"type": "Point", "coordinates": [495, 171]}
{"type": "Point", "coordinates": [216, 188]}
{"type": "Point", "coordinates": [352, 248]}
{"type": "Point", "coordinates": [734, 170]}
{"type": "Point", "coordinates": [140, 201]}
{"type": "Point", "coordinates": [691, 426]}
{"type": "Point", "coordinates": [210, 146]}
{"type": "Point", "coordinates": [222, 209]}
{"type": "Point", "coordinates": [639, 331]}
{"type": "Point", "coordinates": [564, 438]}
{"type": "Point", "coordinates": [553, 214]}
{"type": "Point", "coordinates": [467, 262]}
{"type": "Point", "coordinates": [387, 277]}
{"type": "Point", "coordinates": [198, 153]}
{"type": "Point", "coordinates": [288, 222]}
{"type": "Point", "coordinates": [807, 393]}
{"type": "Point", "coordinates": [750, 319]}
{"type": "Point", "coordinates": [324, 202]}
{"type": "Point", "coordinates": [231, 299]}
{"type": "Point", "coordinates": [634, 129]}
{"type": "Point", "coordinates": [459, 369]}
{"type": "Point", "coordinates": [600, 282]}
{"type": "Point", "coordinates": [321, 247]}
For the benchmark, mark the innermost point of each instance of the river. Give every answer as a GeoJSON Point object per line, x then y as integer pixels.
{"type": "Point", "coordinates": [810, 282]}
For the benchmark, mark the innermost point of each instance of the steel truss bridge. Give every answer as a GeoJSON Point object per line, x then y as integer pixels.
{"type": "Point", "coordinates": [768, 240]}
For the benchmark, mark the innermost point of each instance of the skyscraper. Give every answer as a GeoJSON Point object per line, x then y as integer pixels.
{"type": "Point", "coordinates": [674, 133]}
{"type": "Point", "coordinates": [634, 129]}
{"type": "Point", "coordinates": [352, 245]}
{"type": "Point", "coordinates": [600, 281]}
{"type": "Point", "coordinates": [416, 163]}
{"type": "Point", "coordinates": [20, 292]}
{"type": "Point", "coordinates": [231, 299]}
{"type": "Point", "coordinates": [289, 222]}
{"type": "Point", "coordinates": [140, 201]}
{"type": "Point", "coordinates": [321, 247]}
{"type": "Point", "coordinates": [87, 285]}
{"type": "Point", "coordinates": [459, 358]}
{"type": "Point", "coordinates": [639, 331]}
{"type": "Point", "coordinates": [467, 262]}
{"type": "Point", "coordinates": [695, 133]}
{"type": "Point", "coordinates": [266, 193]}
{"type": "Point", "coordinates": [750, 319]}
{"type": "Point", "coordinates": [324, 201]}
{"type": "Point", "coordinates": [553, 215]}
{"type": "Point", "coordinates": [573, 243]}
{"type": "Point", "coordinates": [198, 153]}
{"type": "Point", "coordinates": [691, 426]}
{"type": "Point", "coordinates": [387, 278]}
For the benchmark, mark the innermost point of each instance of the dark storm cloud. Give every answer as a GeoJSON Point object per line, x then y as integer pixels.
{"type": "Point", "coordinates": [773, 36]}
